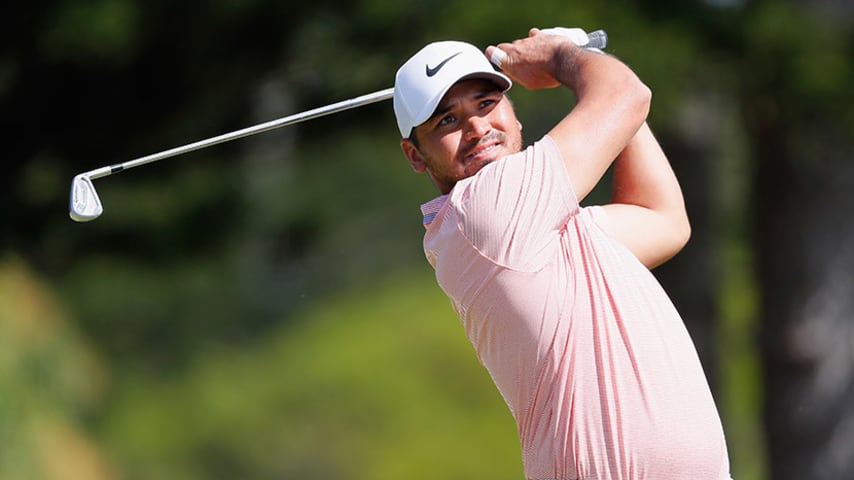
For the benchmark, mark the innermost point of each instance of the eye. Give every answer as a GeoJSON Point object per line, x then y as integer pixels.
{"type": "Point", "coordinates": [446, 120]}
{"type": "Point", "coordinates": [487, 103]}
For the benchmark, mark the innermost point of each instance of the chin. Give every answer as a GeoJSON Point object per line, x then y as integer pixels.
{"type": "Point", "coordinates": [475, 166]}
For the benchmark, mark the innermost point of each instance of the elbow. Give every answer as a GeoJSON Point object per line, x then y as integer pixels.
{"type": "Point", "coordinates": [635, 98]}
{"type": "Point", "coordinates": [683, 234]}
{"type": "Point", "coordinates": [641, 100]}
{"type": "Point", "coordinates": [680, 234]}
{"type": "Point", "coordinates": [676, 241]}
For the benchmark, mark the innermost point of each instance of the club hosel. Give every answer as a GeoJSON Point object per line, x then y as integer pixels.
{"type": "Point", "coordinates": [102, 172]}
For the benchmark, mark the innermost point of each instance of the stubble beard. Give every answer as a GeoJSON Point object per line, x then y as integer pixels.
{"type": "Point", "coordinates": [511, 143]}
{"type": "Point", "coordinates": [495, 139]}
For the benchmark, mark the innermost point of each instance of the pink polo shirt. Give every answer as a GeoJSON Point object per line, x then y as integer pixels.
{"type": "Point", "coordinates": [586, 348]}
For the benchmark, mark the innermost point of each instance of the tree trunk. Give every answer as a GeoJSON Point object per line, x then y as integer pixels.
{"type": "Point", "coordinates": [804, 200]}
{"type": "Point", "coordinates": [691, 278]}
{"type": "Point", "coordinates": [805, 242]}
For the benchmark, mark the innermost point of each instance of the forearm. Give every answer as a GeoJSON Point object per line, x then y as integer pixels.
{"type": "Point", "coordinates": [612, 105]}
{"type": "Point", "coordinates": [643, 176]}
{"type": "Point", "coordinates": [612, 102]}
{"type": "Point", "coordinates": [647, 210]}
{"type": "Point", "coordinates": [591, 76]}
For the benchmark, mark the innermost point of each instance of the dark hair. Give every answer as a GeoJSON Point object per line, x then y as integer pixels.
{"type": "Point", "coordinates": [414, 139]}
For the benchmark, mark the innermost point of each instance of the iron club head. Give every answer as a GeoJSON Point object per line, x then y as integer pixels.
{"type": "Point", "coordinates": [85, 204]}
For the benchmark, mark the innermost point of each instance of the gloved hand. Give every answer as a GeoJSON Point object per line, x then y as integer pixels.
{"type": "Point", "coordinates": [594, 41]}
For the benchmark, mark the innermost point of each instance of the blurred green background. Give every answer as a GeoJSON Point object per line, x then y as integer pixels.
{"type": "Point", "coordinates": [262, 309]}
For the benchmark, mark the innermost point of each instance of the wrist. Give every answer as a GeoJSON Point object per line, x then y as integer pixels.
{"type": "Point", "coordinates": [567, 59]}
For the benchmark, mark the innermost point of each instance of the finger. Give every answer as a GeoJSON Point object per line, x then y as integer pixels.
{"type": "Point", "coordinates": [496, 55]}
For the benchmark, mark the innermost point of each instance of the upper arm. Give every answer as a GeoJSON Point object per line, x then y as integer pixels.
{"type": "Point", "coordinates": [647, 208]}
{"type": "Point", "coordinates": [652, 236]}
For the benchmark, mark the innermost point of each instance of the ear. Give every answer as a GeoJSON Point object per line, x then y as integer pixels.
{"type": "Point", "coordinates": [413, 155]}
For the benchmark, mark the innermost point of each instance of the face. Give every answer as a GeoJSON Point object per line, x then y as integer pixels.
{"type": "Point", "coordinates": [473, 125]}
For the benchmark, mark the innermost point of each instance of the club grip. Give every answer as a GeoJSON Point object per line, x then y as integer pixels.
{"type": "Point", "coordinates": [595, 41]}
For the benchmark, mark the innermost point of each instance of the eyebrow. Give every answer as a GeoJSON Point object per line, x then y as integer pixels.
{"type": "Point", "coordinates": [442, 109]}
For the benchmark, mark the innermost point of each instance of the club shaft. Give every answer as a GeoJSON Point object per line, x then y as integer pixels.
{"type": "Point", "coordinates": [598, 39]}
{"type": "Point", "coordinates": [260, 128]}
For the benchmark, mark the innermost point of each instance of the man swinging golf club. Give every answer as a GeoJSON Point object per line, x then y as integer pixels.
{"type": "Point", "coordinates": [585, 347]}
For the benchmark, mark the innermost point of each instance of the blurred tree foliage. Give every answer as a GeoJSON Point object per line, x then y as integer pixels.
{"type": "Point", "coordinates": [51, 384]}
{"type": "Point", "coordinates": [798, 113]}
{"type": "Point", "coordinates": [371, 384]}
{"type": "Point", "coordinates": [250, 310]}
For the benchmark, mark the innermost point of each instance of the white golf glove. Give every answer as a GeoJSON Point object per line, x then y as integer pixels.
{"type": "Point", "coordinates": [596, 41]}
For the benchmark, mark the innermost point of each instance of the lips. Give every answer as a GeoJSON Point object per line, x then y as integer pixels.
{"type": "Point", "coordinates": [484, 149]}
{"type": "Point", "coordinates": [481, 155]}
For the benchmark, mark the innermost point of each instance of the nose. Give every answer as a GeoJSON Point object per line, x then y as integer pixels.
{"type": "Point", "coordinates": [477, 127]}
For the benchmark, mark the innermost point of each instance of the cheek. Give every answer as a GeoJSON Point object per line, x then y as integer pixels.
{"type": "Point", "coordinates": [439, 156]}
{"type": "Point", "coordinates": [506, 118]}
{"type": "Point", "coordinates": [509, 124]}
{"type": "Point", "coordinates": [445, 148]}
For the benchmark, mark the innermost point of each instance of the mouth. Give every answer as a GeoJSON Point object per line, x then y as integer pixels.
{"type": "Point", "coordinates": [483, 152]}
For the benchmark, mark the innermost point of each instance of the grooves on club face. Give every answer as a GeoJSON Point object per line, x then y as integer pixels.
{"type": "Point", "coordinates": [85, 204]}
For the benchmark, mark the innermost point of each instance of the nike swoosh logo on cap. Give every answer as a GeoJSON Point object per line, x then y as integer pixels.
{"type": "Point", "coordinates": [435, 70]}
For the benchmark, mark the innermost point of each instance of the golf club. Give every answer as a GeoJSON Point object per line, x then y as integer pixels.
{"type": "Point", "coordinates": [85, 205]}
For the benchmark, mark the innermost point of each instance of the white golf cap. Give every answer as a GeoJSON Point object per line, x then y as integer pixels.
{"type": "Point", "coordinates": [424, 79]}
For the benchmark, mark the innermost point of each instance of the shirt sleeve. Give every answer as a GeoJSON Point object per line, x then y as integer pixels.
{"type": "Point", "coordinates": [514, 210]}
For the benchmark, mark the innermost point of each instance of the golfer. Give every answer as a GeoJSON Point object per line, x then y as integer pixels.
{"type": "Point", "coordinates": [587, 350]}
